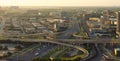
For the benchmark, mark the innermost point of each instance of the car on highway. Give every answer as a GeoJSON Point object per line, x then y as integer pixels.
{"type": "Point", "coordinates": [36, 53]}
{"type": "Point", "coordinates": [38, 48]}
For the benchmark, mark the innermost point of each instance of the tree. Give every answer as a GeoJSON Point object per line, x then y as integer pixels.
{"type": "Point", "coordinates": [18, 47]}
{"type": "Point", "coordinates": [9, 53]}
{"type": "Point", "coordinates": [1, 47]}
{"type": "Point", "coordinates": [5, 48]}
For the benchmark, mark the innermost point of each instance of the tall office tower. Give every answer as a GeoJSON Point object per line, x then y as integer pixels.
{"type": "Point", "coordinates": [55, 27]}
{"type": "Point", "coordinates": [118, 21]}
{"type": "Point", "coordinates": [102, 20]}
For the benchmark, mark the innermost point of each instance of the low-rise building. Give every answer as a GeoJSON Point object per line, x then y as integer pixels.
{"type": "Point", "coordinates": [117, 51]}
{"type": "Point", "coordinates": [30, 30]}
{"type": "Point", "coordinates": [95, 19]}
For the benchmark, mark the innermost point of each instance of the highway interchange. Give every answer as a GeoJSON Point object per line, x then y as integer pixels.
{"type": "Point", "coordinates": [59, 41]}
{"type": "Point", "coordinates": [27, 56]}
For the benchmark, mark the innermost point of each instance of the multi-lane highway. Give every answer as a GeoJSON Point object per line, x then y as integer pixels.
{"type": "Point", "coordinates": [29, 55]}
{"type": "Point", "coordinates": [93, 40]}
{"type": "Point", "coordinates": [63, 40]}
{"type": "Point", "coordinates": [73, 29]}
{"type": "Point", "coordinates": [99, 54]}
{"type": "Point", "coordinates": [85, 27]}
{"type": "Point", "coordinates": [55, 42]}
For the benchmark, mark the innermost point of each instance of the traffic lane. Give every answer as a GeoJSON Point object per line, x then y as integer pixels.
{"type": "Point", "coordinates": [31, 54]}
{"type": "Point", "coordinates": [65, 35]}
{"type": "Point", "coordinates": [69, 32]}
{"type": "Point", "coordinates": [85, 27]}
{"type": "Point", "coordinates": [100, 53]}
{"type": "Point", "coordinates": [43, 53]}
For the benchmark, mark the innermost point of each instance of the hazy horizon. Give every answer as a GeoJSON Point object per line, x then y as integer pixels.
{"type": "Point", "coordinates": [67, 3]}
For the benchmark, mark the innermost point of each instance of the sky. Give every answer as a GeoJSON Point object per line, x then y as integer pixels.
{"type": "Point", "coordinates": [60, 2]}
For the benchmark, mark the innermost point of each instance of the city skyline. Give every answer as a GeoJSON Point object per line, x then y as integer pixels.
{"type": "Point", "coordinates": [33, 31]}
{"type": "Point", "coordinates": [59, 3]}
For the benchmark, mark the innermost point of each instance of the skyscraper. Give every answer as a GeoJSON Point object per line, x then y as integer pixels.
{"type": "Point", "coordinates": [118, 21]}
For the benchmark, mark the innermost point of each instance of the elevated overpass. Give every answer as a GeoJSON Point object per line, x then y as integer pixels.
{"type": "Point", "coordinates": [90, 40]}
{"type": "Point", "coordinates": [54, 42]}
{"type": "Point", "coordinates": [64, 40]}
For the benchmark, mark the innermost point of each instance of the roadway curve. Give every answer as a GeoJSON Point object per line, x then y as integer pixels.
{"type": "Point", "coordinates": [64, 44]}
{"type": "Point", "coordinates": [67, 34]}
